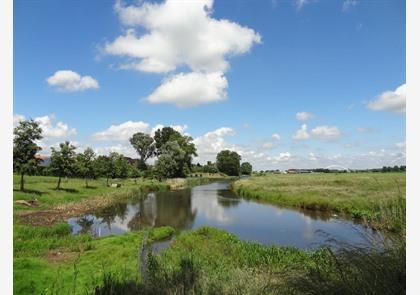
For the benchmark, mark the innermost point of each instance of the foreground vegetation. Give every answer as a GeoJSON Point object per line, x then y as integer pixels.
{"type": "Point", "coordinates": [49, 260]}
{"type": "Point", "coordinates": [377, 198]}
{"type": "Point", "coordinates": [212, 261]}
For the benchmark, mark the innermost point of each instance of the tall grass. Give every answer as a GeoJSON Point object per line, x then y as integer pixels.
{"type": "Point", "coordinates": [210, 261]}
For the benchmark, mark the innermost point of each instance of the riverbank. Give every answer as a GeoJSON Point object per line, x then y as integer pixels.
{"type": "Point", "coordinates": [212, 261]}
{"type": "Point", "coordinates": [49, 260]}
{"type": "Point", "coordinates": [75, 199]}
{"type": "Point", "coordinates": [376, 198]}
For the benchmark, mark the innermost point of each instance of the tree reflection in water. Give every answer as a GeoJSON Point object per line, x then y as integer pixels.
{"type": "Point", "coordinates": [160, 209]}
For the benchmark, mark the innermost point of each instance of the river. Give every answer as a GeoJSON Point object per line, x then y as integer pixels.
{"type": "Point", "coordinates": [216, 205]}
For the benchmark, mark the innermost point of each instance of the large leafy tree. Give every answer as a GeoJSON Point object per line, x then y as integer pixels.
{"type": "Point", "coordinates": [25, 148]}
{"type": "Point", "coordinates": [85, 164]}
{"type": "Point", "coordinates": [63, 161]}
{"type": "Point", "coordinates": [144, 145]}
{"type": "Point", "coordinates": [168, 135]}
{"type": "Point", "coordinates": [228, 162]}
{"type": "Point", "coordinates": [246, 168]}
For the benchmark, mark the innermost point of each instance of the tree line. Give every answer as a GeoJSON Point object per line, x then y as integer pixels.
{"type": "Point", "coordinates": [173, 151]}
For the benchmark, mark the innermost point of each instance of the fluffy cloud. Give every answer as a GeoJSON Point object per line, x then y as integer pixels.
{"type": "Point", "coordinates": [319, 132]}
{"type": "Point", "coordinates": [181, 34]}
{"type": "Point", "coordinates": [302, 133]}
{"type": "Point", "coordinates": [282, 157]}
{"type": "Point", "coordinates": [304, 116]}
{"type": "Point", "coordinates": [326, 132]}
{"type": "Point", "coordinates": [209, 144]}
{"type": "Point", "coordinates": [69, 81]}
{"type": "Point", "coordinates": [393, 101]}
{"type": "Point", "coordinates": [186, 90]}
{"type": "Point", "coordinates": [275, 136]}
{"type": "Point", "coordinates": [124, 131]}
{"type": "Point", "coordinates": [50, 129]}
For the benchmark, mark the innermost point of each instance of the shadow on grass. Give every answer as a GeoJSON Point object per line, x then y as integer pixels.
{"type": "Point", "coordinates": [91, 187]}
{"type": "Point", "coordinates": [67, 190]}
{"type": "Point", "coordinates": [31, 191]}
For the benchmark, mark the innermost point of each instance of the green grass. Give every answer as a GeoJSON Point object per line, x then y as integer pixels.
{"type": "Point", "coordinates": [42, 188]}
{"type": "Point", "coordinates": [363, 195]}
{"type": "Point", "coordinates": [49, 260]}
{"type": "Point", "coordinates": [212, 261]}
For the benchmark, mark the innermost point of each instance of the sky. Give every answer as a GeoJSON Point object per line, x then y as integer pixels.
{"type": "Point", "coordinates": [285, 83]}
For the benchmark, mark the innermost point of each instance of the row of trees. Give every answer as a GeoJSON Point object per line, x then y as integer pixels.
{"type": "Point", "coordinates": [174, 153]}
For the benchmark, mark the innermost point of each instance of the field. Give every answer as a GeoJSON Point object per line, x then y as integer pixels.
{"type": "Point", "coordinates": [48, 259]}
{"type": "Point", "coordinates": [378, 198]}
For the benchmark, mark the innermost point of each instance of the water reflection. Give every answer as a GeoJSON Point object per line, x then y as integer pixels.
{"type": "Point", "coordinates": [215, 205]}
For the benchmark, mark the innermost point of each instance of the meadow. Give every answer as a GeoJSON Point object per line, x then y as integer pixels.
{"type": "Point", "coordinates": [48, 259]}
{"type": "Point", "coordinates": [377, 198]}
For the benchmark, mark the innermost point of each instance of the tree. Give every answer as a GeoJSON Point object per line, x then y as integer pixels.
{"type": "Point", "coordinates": [177, 166]}
{"type": "Point", "coordinates": [164, 135]}
{"type": "Point", "coordinates": [228, 162]}
{"type": "Point", "coordinates": [210, 167]}
{"type": "Point", "coordinates": [85, 164]}
{"type": "Point", "coordinates": [143, 144]}
{"type": "Point", "coordinates": [62, 161]}
{"type": "Point", "coordinates": [25, 148]}
{"type": "Point", "coordinates": [168, 135]}
{"type": "Point", "coordinates": [103, 167]}
{"type": "Point", "coordinates": [166, 166]}
{"type": "Point", "coordinates": [246, 168]}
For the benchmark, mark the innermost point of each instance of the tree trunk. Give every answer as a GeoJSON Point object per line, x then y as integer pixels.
{"type": "Point", "coordinates": [86, 181]}
{"type": "Point", "coordinates": [22, 186]}
{"type": "Point", "coordinates": [107, 181]}
{"type": "Point", "coordinates": [58, 183]}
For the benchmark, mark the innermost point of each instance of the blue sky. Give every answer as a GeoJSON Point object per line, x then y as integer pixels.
{"type": "Point", "coordinates": [232, 74]}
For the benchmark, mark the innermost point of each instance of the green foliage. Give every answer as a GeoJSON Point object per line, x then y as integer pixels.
{"type": "Point", "coordinates": [166, 166]}
{"type": "Point", "coordinates": [85, 164]}
{"type": "Point", "coordinates": [25, 148]}
{"type": "Point", "coordinates": [228, 162]}
{"type": "Point", "coordinates": [246, 168]}
{"type": "Point", "coordinates": [172, 144]}
{"type": "Point", "coordinates": [62, 161]}
{"type": "Point", "coordinates": [212, 261]}
{"type": "Point", "coordinates": [143, 144]}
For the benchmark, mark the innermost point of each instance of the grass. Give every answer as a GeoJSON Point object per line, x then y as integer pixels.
{"type": "Point", "coordinates": [369, 196]}
{"type": "Point", "coordinates": [49, 260]}
{"type": "Point", "coordinates": [212, 261]}
{"type": "Point", "coordinates": [42, 188]}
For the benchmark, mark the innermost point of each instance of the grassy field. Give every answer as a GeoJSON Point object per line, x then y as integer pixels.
{"type": "Point", "coordinates": [375, 197]}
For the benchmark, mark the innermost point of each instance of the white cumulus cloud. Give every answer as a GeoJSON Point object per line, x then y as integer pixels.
{"type": "Point", "coordinates": [302, 133]}
{"type": "Point", "coordinates": [304, 116]}
{"type": "Point", "coordinates": [393, 101]}
{"type": "Point", "coordinates": [326, 132]}
{"type": "Point", "coordinates": [122, 131]}
{"type": "Point", "coordinates": [178, 34]}
{"type": "Point", "coordinates": [69, 81]}
{"type": "Point", "coordinates": [50, 128]}
{"type": "Point", "coordinates": [191, 89]}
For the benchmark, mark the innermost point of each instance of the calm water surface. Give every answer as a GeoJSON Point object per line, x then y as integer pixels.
{"type": "Point", "coordinates": [215, 205]}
